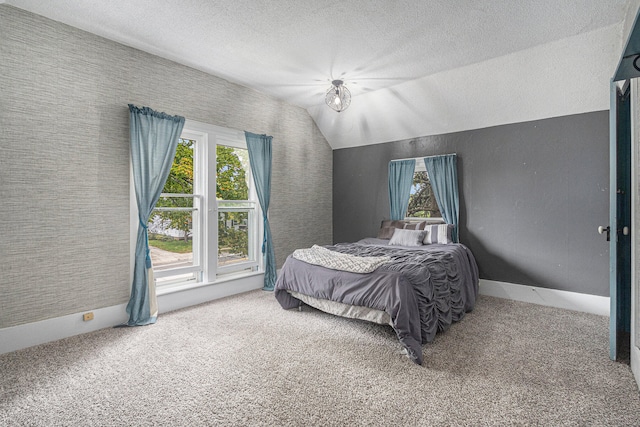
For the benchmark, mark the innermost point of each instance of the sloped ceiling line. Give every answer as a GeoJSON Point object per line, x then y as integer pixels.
{"type": "Point", "coordinates": [293, 51]}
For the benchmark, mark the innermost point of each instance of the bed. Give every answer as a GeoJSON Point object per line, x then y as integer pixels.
{"type": "Point", "coordinates": [418, 289]}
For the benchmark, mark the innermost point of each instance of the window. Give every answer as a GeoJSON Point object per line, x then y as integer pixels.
{"type": "Point", "coordinates": [422, 201]}
{"type": "Point", "coordinates": [204, 225]}
{"type": "Point", "coordinates": [236, 212]}
{"type": "Point", "coordinates": [174, 224]}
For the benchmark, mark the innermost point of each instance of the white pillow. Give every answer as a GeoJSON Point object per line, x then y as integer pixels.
{"type": "Point", "coordinates": [440, 233]}
{"type": "Point", "coordinates": [403, 237]}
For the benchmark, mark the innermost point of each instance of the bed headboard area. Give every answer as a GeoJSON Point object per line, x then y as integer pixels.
{"type": "Point", "coordinates": [387, 226]}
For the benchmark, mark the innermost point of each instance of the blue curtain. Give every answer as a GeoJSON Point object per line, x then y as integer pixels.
{"type": "Point", "coordinates": [443, 175]}
{"type": "Point", "coordinates": [154, 138]}
{"type": "Point", "coordinates": [400, 180]}
{"type": "Point", "coordinates": [260, 159]}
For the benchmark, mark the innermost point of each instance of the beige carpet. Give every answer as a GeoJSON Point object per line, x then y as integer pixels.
{"type": "Point", "coordinates": [245, 361]}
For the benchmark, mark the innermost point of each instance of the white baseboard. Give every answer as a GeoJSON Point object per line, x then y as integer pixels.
{"type": "Point", "coordinates": [635, 362]}
{"type": "Point", "coordinates": [22, 336]}
{"type": "Point", "coordinates": [30, 334]}
{"type": "Point", "coordinates": [551, 297]}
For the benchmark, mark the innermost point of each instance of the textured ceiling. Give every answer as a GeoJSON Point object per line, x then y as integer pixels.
{"type": "Point", "coordinates": [292, 49]}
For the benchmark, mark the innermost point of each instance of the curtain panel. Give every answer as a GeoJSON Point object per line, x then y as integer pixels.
{"type": "Point", "coordinates": [154, 138]}
{"type": "Point", "coordinates": [259, 147]}
{"type": "Point", "coordinates": [400, 180]}
{"type": "Point", "coordinates": [443, 175]}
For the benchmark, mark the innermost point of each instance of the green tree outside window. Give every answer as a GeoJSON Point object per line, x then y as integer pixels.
{"type": "Point", "coordinates": [422, 201]}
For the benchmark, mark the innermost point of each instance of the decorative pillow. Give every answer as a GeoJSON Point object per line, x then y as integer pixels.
{"type": "Point", "coordinates": [403, 237]}
{"type": "Point", "coordinates": [440, 233]}
{"type": "Point", "coordinates": [387, 228]}
{"type": "Point", "coordinates": [415, 225]}
{"type": "Point", "coordinates": [385, 232]}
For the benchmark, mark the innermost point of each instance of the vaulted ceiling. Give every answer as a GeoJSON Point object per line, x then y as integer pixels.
{"type": "Point", "coordinates": [404, 61]}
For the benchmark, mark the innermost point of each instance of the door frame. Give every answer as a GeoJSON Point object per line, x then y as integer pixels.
{"type": "Point", "coordinates": [620, 210]}
{"type": "Point", "coordinates": [613, 220]}
{"type": "Point", "coordinates": [635, 237]}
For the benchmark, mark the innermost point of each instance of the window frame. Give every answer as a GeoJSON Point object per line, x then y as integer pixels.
{"type": "Point", "coordinates": [205, 244]}
{"type": "Point", "coordinates": [195, 270]}
{"type": "Point", "coordinates": [254, 263]}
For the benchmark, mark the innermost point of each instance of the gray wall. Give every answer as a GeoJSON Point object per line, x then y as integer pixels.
{"type": "Point", "coordinates": [64, 161]}
{"type": "Point", "coordinates": [531, 197]}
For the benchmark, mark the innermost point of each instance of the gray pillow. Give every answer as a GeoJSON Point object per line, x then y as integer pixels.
{"type": "Point", "coordinates": [404, 237]}
{"type": "Point", "coordinates": [385, 232]}
{"type": "Point", "coordinates": [440, 233]}
{"type": "Point", "coordinates": [387, 227]}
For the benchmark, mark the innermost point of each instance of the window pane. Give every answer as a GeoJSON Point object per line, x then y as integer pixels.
{"type": "Point", "coordinates": [422, 201]}
{"type": "Point", "coordinates": [232, 166]}
{"type": "Point", "coordinates": [171, 239]}
{"type": "Point", "coordinates": [180, 178]}
{"type": "Point", "coordinates": [235, 211]}
{"type": "Point", "coordinates": [233, 237]}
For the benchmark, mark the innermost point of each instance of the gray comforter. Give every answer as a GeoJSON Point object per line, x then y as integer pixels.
{"type": "Point", "coordinates": [423, 289]}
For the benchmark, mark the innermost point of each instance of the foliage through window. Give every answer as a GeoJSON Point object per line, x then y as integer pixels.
{"type": "Point", "coordinates": [171, 224]}
{"type": "Point", "coordinates": [422, 201]}
{"type": "Point", "coordinates": [232, 185]}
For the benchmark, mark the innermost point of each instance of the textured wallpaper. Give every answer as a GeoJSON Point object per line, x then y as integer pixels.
{"type": "Point", "coordinates": [64, 161]}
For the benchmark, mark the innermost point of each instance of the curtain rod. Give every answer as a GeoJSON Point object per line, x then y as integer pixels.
{"type": "Point", "coordinates": [424, 157]}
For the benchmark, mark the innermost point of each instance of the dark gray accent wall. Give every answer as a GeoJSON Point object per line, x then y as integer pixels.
{"type": "Point", "coordinates": [532, 195]}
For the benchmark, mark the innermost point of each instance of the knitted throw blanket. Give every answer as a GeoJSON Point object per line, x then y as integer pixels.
{"type": "Point", "coordinates": [324, 257]}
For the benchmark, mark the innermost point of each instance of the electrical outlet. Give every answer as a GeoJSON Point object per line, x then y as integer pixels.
{"type": "Point", "coordinates": [87, 316]}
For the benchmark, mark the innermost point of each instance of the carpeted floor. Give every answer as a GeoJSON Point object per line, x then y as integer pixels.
{"type": "Point", "coordinates": [245, 361]}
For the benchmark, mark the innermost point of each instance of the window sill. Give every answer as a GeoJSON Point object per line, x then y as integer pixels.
{"type": "Point", "coordinates": [179, 287]}
{"type": "Point", "coordinates": [429, 219]}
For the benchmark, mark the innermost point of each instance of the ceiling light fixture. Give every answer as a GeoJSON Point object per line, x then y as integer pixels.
{"type": "Point", "coordinates": [338, 96]}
